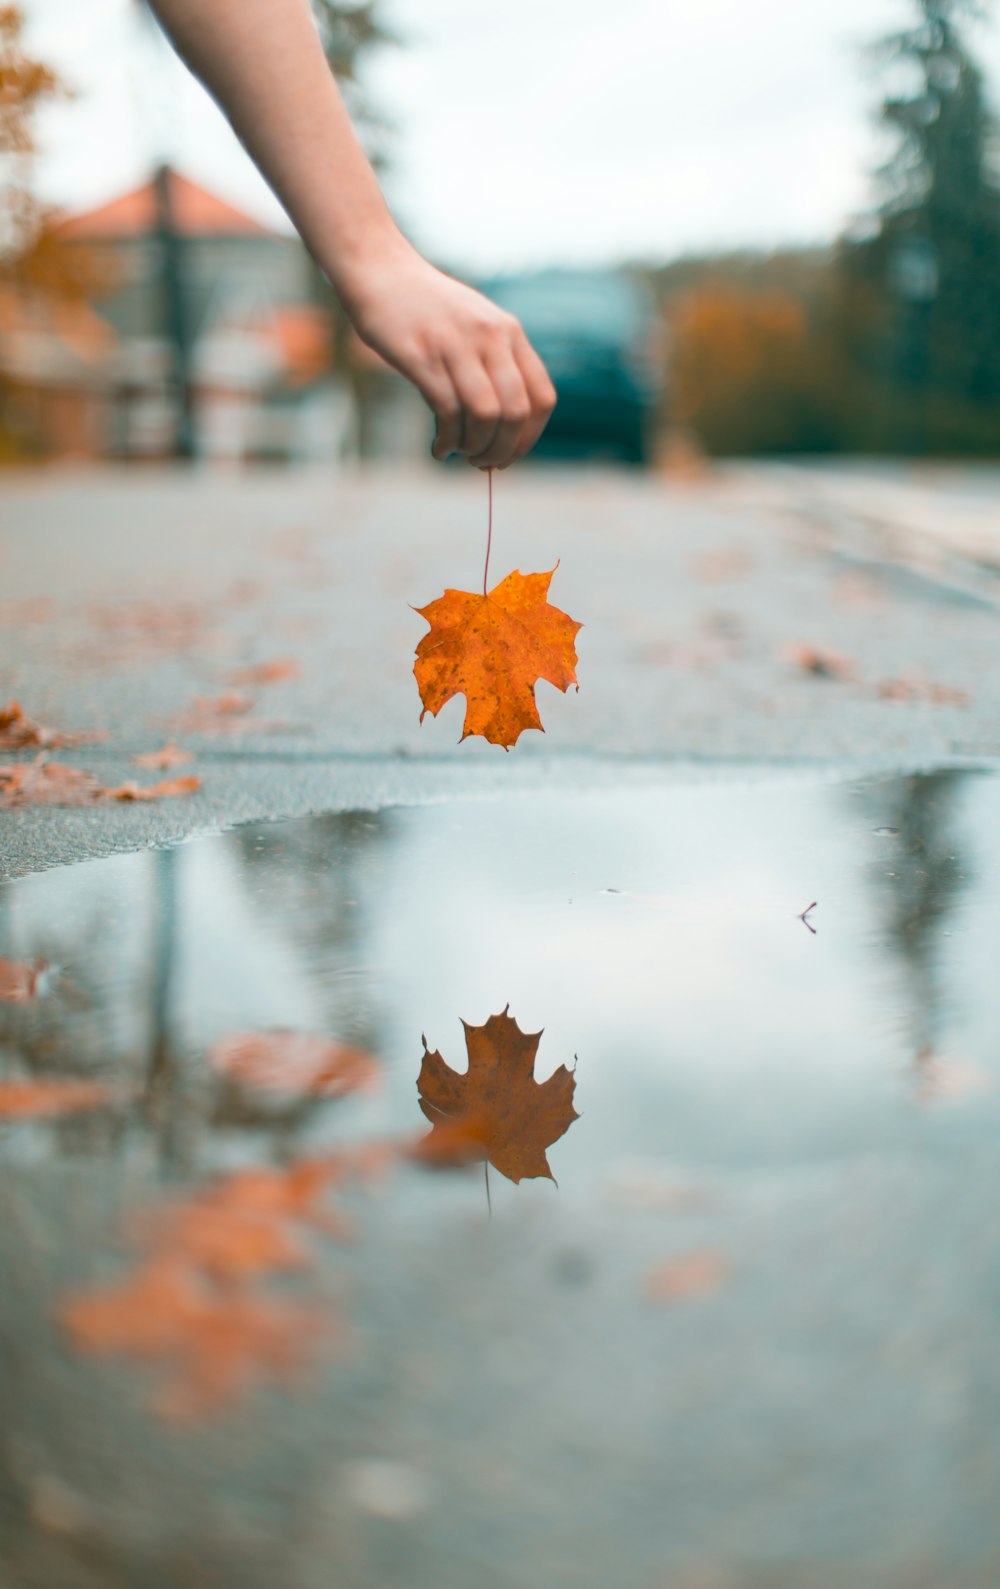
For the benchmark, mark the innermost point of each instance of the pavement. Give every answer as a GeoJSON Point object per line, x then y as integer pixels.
{"type": "Point", "coordinates": [741, 617]}
{"type": "Point", "coordinates": [819, 1105]}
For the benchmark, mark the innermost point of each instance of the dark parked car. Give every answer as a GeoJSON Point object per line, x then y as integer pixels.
{"type": "Point", "coordinates": [601, 338]}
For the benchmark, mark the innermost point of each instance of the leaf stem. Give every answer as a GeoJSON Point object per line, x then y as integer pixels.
{"type": "Point", "coordinates": [489, 532]}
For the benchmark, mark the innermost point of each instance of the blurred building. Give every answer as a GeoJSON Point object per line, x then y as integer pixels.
{"type": "Point", "coordinates": [206, 343]}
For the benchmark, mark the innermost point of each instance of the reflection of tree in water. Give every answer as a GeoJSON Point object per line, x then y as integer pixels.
{"type": "Point", "coordinates": [306, 881]}
{"type": "Point", "coordinates": [116, 1006]}
{"type": "Point", "coordinates": [920, 876]}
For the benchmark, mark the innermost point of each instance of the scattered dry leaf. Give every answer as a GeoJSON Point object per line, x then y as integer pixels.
{"type": "Point", "coordinates": [52, 783]}
{"type": "Point", "coordinates": [695, 1274]}
{"type": "Point", "coordinates": [914, 687]}
{"type": "Point", "coordinates": [168, 789]}
{"type": "Point", "coordinates": [495, 1110]}
{"type": "Point", "coordinates": [823, 663]}
{"type": "Point", "coordinates": [32, 1100]}
{"type": "Point", "coordinates": [267, 672]}
{"type": "Point", "coordinates": [47, 783]}
{"type": "Point", "coordinates": [18, 732]}
{"type": "Point", "coordinates": [493, 649]}
{"type": "Point", "coordinates": [168, 755]}
{"type": "Point", "coordinates": [19, 980]}
{"type": "Point", "coordinates": [294, 1064]}
{"type": "Point", "coordinates": [147, 631]}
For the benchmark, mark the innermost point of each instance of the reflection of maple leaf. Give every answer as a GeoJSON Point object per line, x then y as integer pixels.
{"type": "Point", "coordinates": [694, 1274]}
{"type": "Point", "coordinates": [493, 649]}
{"type": "Point", "coordinates": [295, 1063]}
{"type": "Point", "coordinates": [510, 1118]}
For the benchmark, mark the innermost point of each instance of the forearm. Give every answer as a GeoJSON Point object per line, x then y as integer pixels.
{"type": "Point", "coordinates": [263, 62]}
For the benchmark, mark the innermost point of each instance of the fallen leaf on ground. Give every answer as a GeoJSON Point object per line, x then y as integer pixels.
{"type": "Point", "coordinates": [496, 1110]}
{"type": "Point", "coordinates": [695, 1274]}
{"type": "Point", "coordinates": [231, 704]}
{"type": "Point", "coordinates": [224, 714]}
{"type": "Point", "coordinates": [32, 1100]}
{"type": "Point", "coordinates": [147, 630]}
{"type": "Point", "coordinates": [219, 1341]}
{"type": "Point", "coordinates": [823, 663]}
{"type": "Point", "coordinates": [52, 783]}
{"type": "Point", "coordinates": [493, 649]}
{"type": "Point", "coordinates": [267, 672]}
{"type": "Point", "coordinates": [168, 789]}
{"type": "Point", "coordinates": [295, 1063]}
{"type": "Point", "coordinates": [168, 755]}
{"type": "Point", "coordinates": [19, 980]}
{"type": "Point", "coordinates": [18, 732]}
{"type": "Point", "coordinates": [47, 783]}
{"type": "Point", "coordinates": [913, 687]}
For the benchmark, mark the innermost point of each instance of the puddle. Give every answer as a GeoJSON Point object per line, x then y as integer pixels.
{"type": "Point", "coordinates": [767, 1251]}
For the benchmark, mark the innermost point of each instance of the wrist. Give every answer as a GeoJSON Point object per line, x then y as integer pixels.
{"type": "Point", "coordinates": [360, 265]}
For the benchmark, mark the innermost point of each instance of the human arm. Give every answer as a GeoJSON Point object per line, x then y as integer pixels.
{"type": "Point", "coordinates": [263, 62]}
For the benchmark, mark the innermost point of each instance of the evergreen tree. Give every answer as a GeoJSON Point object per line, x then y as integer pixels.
{"type": "Point", "coordinates": [938, 247]}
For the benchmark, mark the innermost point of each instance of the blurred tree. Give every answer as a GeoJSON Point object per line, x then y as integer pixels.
{"type": "Point", "coordinates": [350, 34]}
{"type": "Point", "coordinates": [935, 258]}
{"type": "Point", "coordinates": [756, 365]}
{"type": "Point", "coordinates": [40, 279]}
{"type": "Point", "coordinates": [24, 85]}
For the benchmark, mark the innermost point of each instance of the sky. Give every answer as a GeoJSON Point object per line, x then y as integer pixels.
{"type": "Point", "coordinates": [535, 131]}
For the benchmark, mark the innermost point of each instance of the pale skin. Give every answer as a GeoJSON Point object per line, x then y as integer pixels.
{"type": "Point", "coordinates": [471, 361]}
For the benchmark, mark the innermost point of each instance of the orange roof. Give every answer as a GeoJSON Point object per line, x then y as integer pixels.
{"type": "Point", "coordinates": [197, 213]}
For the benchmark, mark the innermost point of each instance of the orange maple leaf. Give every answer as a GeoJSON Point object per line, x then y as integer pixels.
{"type": "Point", "coordinates": [509, 1118]}
{"type": "Point", "coordinates": [493, 649]}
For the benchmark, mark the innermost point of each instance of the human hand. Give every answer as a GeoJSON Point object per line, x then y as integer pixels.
{"type": "Point", "coordinates": [471, 361]}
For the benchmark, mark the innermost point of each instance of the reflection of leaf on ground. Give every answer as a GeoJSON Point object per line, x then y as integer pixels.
{"type": "Point", "coordinates": [495, 1110]}
{"type": "Point", "coordinates": [198, 1302]}
{"type": "Point", "coordinates": [219, 1340]}
{"type": "Point", "coordinates": [19, 980]}
{"type": "Point", "coordinates": [942, 1080]}
{"type": "Point", "coordinates": [694, 1274]}
{"type": "Point", "coordinates": [34, 1100]}
{"type": "Point", "coordinates": [294, 1064]}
